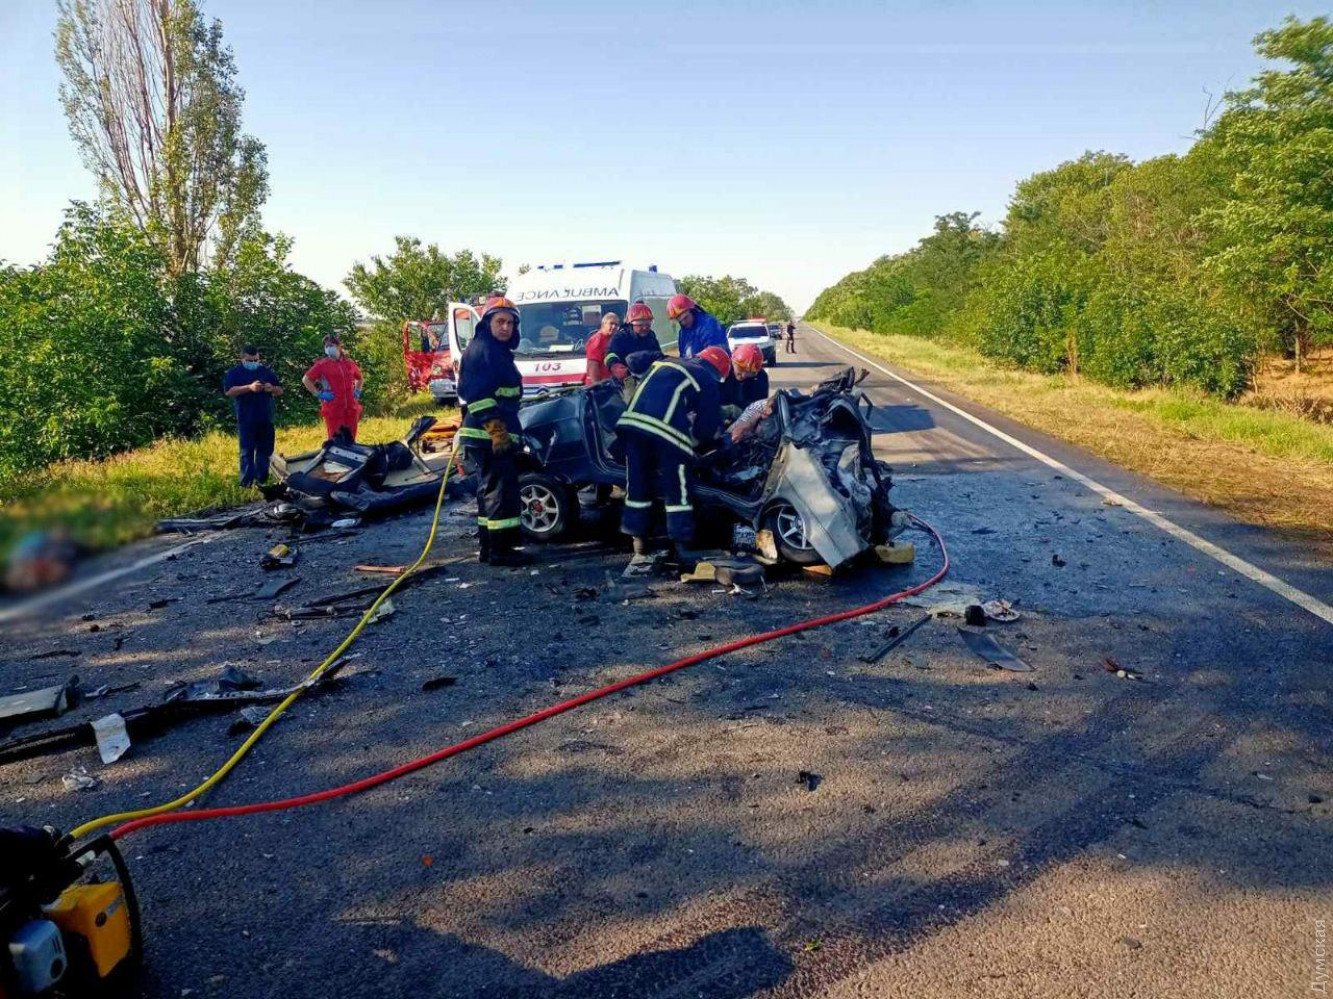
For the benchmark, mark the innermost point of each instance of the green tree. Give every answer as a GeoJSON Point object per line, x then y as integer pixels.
{"type": "Point", "coordinates": [153, 103]}
{"type": "Point", "coordinates": [733, 298]}
{"type": "Point", "coordinates": [419, 282]}
{"type": "Point", "coordinates": [1276, 229]}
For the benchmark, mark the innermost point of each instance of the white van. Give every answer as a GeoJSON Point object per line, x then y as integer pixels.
{"type": "Point", "coordinates": [560, 307]}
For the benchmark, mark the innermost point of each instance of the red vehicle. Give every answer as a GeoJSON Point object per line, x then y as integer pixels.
{"type": "Point", "coordinates": [426, 354]}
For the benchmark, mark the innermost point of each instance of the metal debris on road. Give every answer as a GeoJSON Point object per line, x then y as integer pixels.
{"type": "Point", "coordinates": [437, 682]}
{"type": "Point", "coordinates": [274, 588]}
{"type": "Point", "coordinates": [993, 652]}
{"type": "Point", "coordinates": [896, 638]}
{"type": "Point", "coordinates": [280, 556]}
{"type": "Point", "coordinates": [973, 615]}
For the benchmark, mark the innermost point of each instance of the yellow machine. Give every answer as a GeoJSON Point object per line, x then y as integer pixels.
{"type": "Point", "coordinates": [97, 915]}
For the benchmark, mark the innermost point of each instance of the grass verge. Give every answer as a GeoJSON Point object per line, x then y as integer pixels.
{"type": "Point", "coordinates": [107, 503]}
{"type": "Point", "coordinates": [1262, 466]}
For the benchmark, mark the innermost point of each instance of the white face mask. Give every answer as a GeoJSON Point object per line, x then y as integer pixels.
{"type": "Point", "coordinates": [331, 351]}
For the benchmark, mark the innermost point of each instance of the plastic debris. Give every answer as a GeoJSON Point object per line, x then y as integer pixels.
{"type": "Point", "coordinates": [347, 522]}
{"type": "Point", "coordinates": [113, 740]}
{"type": "Point", "coordinates": [280, 556]}
{"type": "Point", "coordinates": [79, 780]}
{"type": "Point", "coordinates": [1000, 610]}
{"type": "Point", "coordinates": [384, 610]}
{"type": "Point", "coordinates": [993, 652]}
{"type": "Point", "coordinates": [902, 553]}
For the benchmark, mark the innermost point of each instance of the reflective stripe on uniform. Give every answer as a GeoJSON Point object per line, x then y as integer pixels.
{"type": "Point", "coordinates": [481, 405]}
{"type": "Point", "coordinates": [684, 488]}
{"type": "Point", "coordinates": [508, 392]}
{"type": "Point", "coordinates": [652, 425]}
{"type": "Point", "coordinates": [500, 525]}
{"type": "Point", "coordinates": [474, 433]}
{"type": "Point", "coordinates": [638, 504]}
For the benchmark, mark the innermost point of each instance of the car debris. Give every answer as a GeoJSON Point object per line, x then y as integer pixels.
{"type": "Point", "coordinates": [223, 693]}
{"type": "Point", "coordinates": [46, 701]}
{"type": "Point", "coordinates": [896, 638]}
{"type": "Point", "coordinates": [973, 615]}
{"type": "Point", "coordinates": [438, 682]}
{"type": "Point", "coordinates": [342, 482]}
{"type": "Point", "coordinates": [280, 556]}
{"type": "Point", "coordinates": [993, 652]}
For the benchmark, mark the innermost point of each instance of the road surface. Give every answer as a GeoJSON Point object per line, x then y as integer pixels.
{"type": "Point", "coordinates": [967, 831]}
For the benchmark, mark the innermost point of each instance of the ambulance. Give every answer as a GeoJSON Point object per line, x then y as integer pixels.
{"type": "Point", "coordinates": [560, 306]}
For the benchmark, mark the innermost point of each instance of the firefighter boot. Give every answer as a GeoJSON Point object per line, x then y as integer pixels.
{"type": "Point", "coordinates": [484, 544]}
{"type": "Point", "coordinates": [503, 552]}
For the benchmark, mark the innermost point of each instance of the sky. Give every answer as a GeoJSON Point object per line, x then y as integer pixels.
{"type": "Point", "coordinates": [788, 143]}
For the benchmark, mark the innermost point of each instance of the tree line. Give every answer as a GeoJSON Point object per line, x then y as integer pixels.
{"type": "Point", "coordinates": [1175, 270]}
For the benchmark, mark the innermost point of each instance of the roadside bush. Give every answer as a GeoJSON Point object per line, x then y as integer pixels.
{"type": "Point", "coordinates": [101, 350]}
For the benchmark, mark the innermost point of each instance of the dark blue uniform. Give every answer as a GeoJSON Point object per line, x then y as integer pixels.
{"type": "Point", "coordinates": [741, 393]}
{"type": "Point", "coordinates": [254, 421]}
{"type": "Point", "coordinates": [627, 342]}
{"type": "Point", "coordinates": [676, 408]}
{"type": "Point", "coordinates": [490, 388]}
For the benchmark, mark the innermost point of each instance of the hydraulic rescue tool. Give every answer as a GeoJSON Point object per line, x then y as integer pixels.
{"type": "Point", "coordinates": [63, 931]}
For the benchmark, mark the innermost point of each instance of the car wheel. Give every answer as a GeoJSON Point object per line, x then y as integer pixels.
{"type": "Point", "coordinates": [788, 527]}
{"type": "Point", "coordinates": [548, 508]}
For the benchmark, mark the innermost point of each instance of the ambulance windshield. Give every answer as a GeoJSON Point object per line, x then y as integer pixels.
{"type": "Point", "coordinates": [554, 328]}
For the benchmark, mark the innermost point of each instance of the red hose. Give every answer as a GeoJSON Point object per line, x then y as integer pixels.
{"type": "Point", "coordinates": [366, 783]}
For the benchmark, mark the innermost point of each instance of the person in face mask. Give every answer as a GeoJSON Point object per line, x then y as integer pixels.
{"type": "Point", "coordinates": [335, 380]}
{"type": "Point", "coordinates": [251, 387]}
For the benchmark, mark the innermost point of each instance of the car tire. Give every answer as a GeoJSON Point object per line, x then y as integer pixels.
{"type": "Point", "coordinates": [788, 529]}
{"type": "Point", "coordinates": [548, 508]}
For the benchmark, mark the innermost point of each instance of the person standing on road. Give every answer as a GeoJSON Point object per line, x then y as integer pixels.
{"type": "Point", "coordinates": [791, 337]}
{"type": "Point", "coordinates": [638, 338]}
{"type": "Point", "coordinates": [698, 329]}
{"type": "Point", "coordinates": [335, 380]}
{"type": "Point", "coordinates": [596, 351]}
{"type": "Point", "coordinates": [676, 409]}
{"type": "Point", "coordinates": [251, 387]}
{"type": "Point", "coordinates": [490, 389]}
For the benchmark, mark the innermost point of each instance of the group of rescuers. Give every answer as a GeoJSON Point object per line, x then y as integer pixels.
{"type": "Point", "coordinates": [674, 413]}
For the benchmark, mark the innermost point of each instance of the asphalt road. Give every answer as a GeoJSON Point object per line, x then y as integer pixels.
{"type": "Point", "coordinates": [968, 831]}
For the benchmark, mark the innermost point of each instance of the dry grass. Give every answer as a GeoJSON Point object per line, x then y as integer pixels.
{"type": "Point", "coordinates": [107, 503]}
{"type": "Point", "coordinates": [1261, 464]}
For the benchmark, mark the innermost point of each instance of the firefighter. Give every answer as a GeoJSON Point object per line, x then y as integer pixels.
{"type": "Point", "coordinates": [676, 409]}
{"type": "Point", "coordinates": [698, 329]}
{"type": "Point", "coordinates": [638, 338]}
{"type": "Point", "coordinates": [596, 349]}
{"type": "Point", "coordinates": [490, 389]}
{"type": "Point", "coordinates": [748, 381]}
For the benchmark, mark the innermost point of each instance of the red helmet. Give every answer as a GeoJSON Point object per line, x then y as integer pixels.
{"type": "Point", "coordinates": [747, 358]}
{"type": "Point", "coordinates": [497, 303]}
{"type": "Point", "coordinates": [718, 358]}
{"type": "Point", "coordinates": [679, 304]}
{"type": "Point", "coordinates": [638, 313]}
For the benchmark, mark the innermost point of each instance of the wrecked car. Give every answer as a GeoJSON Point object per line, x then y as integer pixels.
{"type": "Point", "coordinates": [806, 474]}
{"type": "Point", "coordinates": [366, 479]}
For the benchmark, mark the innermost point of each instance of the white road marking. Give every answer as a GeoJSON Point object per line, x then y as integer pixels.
{"type": "Point", "coordinates": [74, 589]}
{"type": "Point", "coordinates": [1235, 563]}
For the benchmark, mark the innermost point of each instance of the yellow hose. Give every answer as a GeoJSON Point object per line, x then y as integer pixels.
{"type": "Point", "coordinates": [289, 700]}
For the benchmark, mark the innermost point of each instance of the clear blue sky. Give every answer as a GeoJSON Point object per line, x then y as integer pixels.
{"type": "Point", "coordinates": [786, 142]}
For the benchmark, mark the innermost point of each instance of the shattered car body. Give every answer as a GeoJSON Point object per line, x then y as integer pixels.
{"type": "Point", "coordinates": [807, 474]}
{"type": "Point", "coordinates": [368, 479]}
